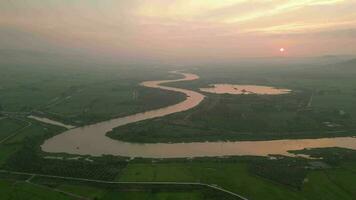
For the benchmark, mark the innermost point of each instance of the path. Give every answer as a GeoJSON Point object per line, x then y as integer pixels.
{"type": "Point", "coordinates": [214, 187]}
{"type": "Point", "coordinates": [16, 131]}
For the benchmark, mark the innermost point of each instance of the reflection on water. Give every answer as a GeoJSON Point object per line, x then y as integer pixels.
{"type": "Point", "coordinates": [244, 89]}
{"type": "Point", "coordinates": [91, 139]}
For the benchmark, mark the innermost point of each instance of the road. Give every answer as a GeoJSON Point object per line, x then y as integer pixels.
{"type": "Point", "coordinates": [310, 100]}
{"type": "Point", "coordinates": [214, 187]}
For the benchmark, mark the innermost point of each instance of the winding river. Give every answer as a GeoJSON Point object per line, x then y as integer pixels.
{"type": "Point", "coordinates": [92, 139]}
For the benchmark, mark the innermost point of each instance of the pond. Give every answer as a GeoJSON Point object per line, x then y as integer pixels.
{"type": "Point", "coordinates": [244, 89]}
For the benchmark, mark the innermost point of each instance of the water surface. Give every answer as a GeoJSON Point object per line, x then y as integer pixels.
{"type": "Point", "coordinates": [92, 139]}
{"type": "Point", "coordinates": [244, 89]}
{"type": "Point", "coordinates": [49, 121]}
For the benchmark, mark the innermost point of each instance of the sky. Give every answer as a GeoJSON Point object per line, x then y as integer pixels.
{"type": "Point", "coordinates": [176, 30]}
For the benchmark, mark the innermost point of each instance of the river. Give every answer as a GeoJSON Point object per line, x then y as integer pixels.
{"type": "Point", "coordinates": [92, 139]}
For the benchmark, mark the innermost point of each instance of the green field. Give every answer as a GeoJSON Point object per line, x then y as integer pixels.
{"type": "Point", "coordinates": [253, 177]}
{"type": "Point", "coordinates": [13, 190]}
{"type": "Point", "coordinates": [326, 184]}
{"type": "Point", "coordinates": [290, 178]}
{"type": "Point", "coordinates": [83, 96]}
{"type": "Point", "coordinates": [80, 96]}
{"type": "Point", "coordinates": [337, 182]}
{"type": "Point", "coordinates": [321, 105]}
{"type": "Point", "coordinates": [9, 127]}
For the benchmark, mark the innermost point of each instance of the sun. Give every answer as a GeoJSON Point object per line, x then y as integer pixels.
{"type": "Point", "coordinates": [282, 49]}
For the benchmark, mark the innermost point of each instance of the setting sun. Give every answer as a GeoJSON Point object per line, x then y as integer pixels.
{"type": "Point", "coordinates": [147, 99]}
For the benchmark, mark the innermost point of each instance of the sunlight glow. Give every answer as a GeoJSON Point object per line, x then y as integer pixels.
{"type": "Point", "coordinates": [178, 29]}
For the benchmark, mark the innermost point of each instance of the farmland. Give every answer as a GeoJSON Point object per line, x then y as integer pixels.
{"type": "Point", "coordinates": [79, 96]}
{"type": "Point", "coordinates": [319, 106]}
{"type": "Point", "coordinates": [102, 95]}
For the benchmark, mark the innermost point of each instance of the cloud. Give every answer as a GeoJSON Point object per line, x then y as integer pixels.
{"type": "Point", "coordinates": [304, 27]}
{"type": "Point", "coordinates": [279, 7]}
{"type": "Point", "coordinates": [177, 28]}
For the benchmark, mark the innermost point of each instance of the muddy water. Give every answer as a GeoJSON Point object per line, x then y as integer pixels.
{"type": "Point", "coordinates": [91, 139]}
{"type": "Point", "coordinates": [244, 89]}
{"type": "Point", "coordinates": [49, 121]}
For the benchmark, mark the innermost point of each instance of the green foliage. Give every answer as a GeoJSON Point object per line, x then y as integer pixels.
{"type": "Point", "coordinates": [12, 190]}
{"type": "Point", "coordinates": [9, 126]}
{"type": "Point", "coordinates": [81, 95]}
{"type": "Point", "coordinates": [321, 105]}
{"type": "Point", "coordinates": [29, 160]}
{"type": "Point", "coordinates": [284, 170]}
{"type": "Point", "coordinates": [333, 156]}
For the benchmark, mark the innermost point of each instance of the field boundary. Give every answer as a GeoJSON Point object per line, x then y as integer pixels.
{"type": "Point", "coordinates": [214, 187]}
{"type": "Point", "coordinates": [14, 133]}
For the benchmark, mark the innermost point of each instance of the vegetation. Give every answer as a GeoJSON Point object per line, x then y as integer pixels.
{"type": "Point", "coordinates": [104, 192]}
{"type": "Point", "coordinates": [239, 175]}
{"type": "Point", "coordinates": [279, 168]}
{"type": "Point", "coordinates": [9, 126]}
{"type": "Point", "coordinates": [79, 96]}
{"type": "Point", "coordinates": [13, 190]}
{"type": "Point", "coordinates": [276, 177]}
{"type": "Point", "coordinates": [88, 96]}
{"type": "Point", "coordinates": [321, 105]}
{"type": "Point", "coordinates": [30, 159]}
{"type": "Point", "coordinates": [333, 156]}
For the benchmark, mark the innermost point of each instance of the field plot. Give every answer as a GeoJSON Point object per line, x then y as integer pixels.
{"type": "Point", "coordinates": [335, 183]}
{"type": "Point", "coordinates": [81, 96]}
{"type": "Point", "coordinates": [318, 106]}
{"type": "Point", "coordinates": [268, 176]}
{"type": "Point", "coordinates": [9, 127]}
{"type": "Point", "coordinates": [11, 190]}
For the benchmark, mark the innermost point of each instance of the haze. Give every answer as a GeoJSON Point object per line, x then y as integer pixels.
{"type": "Point", "coordinates": [171, 31]}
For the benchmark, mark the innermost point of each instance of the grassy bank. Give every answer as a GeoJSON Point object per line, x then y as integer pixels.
{"type": "Point", "coordinates": [321, 105]}
{"type": "Point", "coordinates": [253, 177]}
{"type": "Point", "coordinates": [81, 96]}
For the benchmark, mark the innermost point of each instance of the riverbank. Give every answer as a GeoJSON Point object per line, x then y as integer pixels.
{"type": "Point", "coordinates": [92, 139]}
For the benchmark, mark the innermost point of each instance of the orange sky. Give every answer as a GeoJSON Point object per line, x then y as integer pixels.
{"type": "Point", "coordinates": [181, 29]}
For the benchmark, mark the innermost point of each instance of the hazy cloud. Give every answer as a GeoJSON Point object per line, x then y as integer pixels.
{"type": "Point", "coordinates": [180, 29]}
